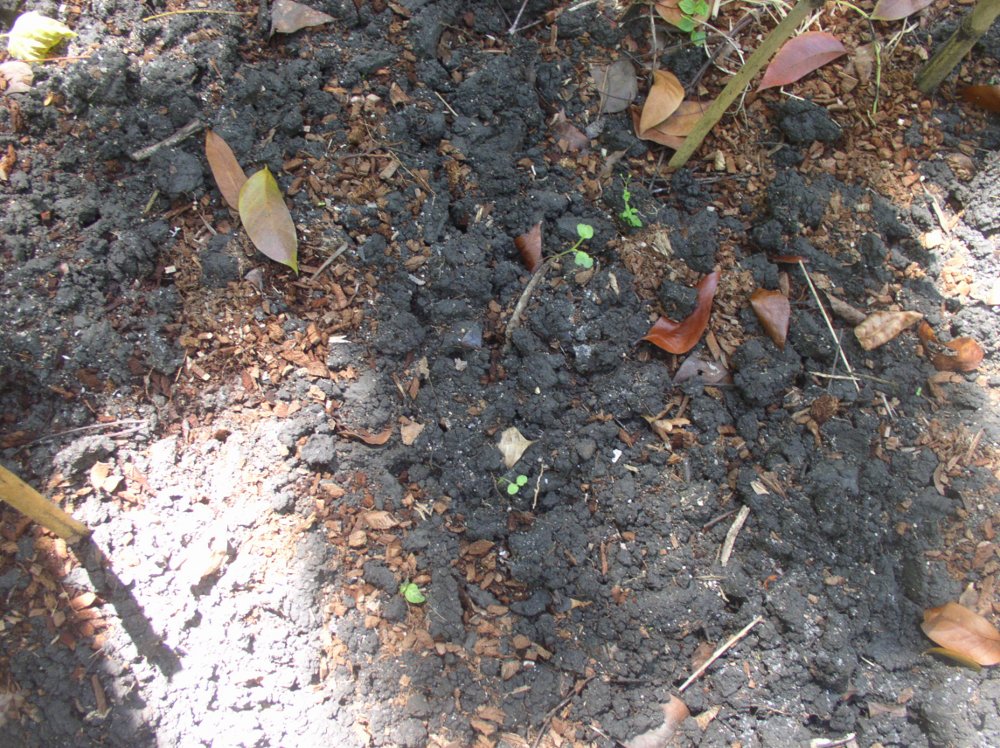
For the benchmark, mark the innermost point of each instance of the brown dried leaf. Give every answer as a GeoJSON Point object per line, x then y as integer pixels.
{"type": "Point", "coordinates": [569, 138]}
{"type": "Point", "coordinates": [287, 17]}
{"type": "Point", "coordinates": [967, 357]}
{"type": "Point", "coordinates": [985, 97]}
{"type": "Point", "coordinates": [379, 520]}
{"type": "Point", "coordinates": [881, 327]}
{"type": "Point", "coordinates": [894, 10]}
{"type": "Point", "coordinates": [773, 312]}
{"type": "Point", "coordinates": [801, 55]}
{"type": "Point", "coordinates": [683, 120]}
{"type": "Point", "coordinates": [681, 337]}
{"type": "Point", "coordinates": [696, 366]}
{"type": "Point", "coordinates": [529, 245]}
{"type": "Point", "coordinates": [665, 95]}
{"type": "Point", "coordinates": [845, 311]}
{"type": "Point", "coordinates": [967, 633]}
{"type": "Point", "coordinates": [675, 711]}
{"type": "Point", "coordinates": [226, 170]}
{"type": "Point", "coordinates": [616, 84]}
{"type": "Point", "coordinates": [17, 76]}
{"type": "Point", "coordinates": [409, 431]}
{"type": "Point", "coordinates": [512, 445]}
{"type": "Point", "coordinates": [373, 440]}
{"type": "Point", "coordinates": [654, 134]}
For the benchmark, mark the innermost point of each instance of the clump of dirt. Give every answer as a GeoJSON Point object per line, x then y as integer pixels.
{"type": "Point", "coordinates": [266, 459]}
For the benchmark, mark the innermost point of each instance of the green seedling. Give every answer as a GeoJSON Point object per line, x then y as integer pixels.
{"type": "Point", "coordinates": [580, 257]}
{"type": "Point", "coordinates": [630, 215]}
{"type": "Point", "coordinates": [513, 486]}
{"type": "Point", "coordinates": [695, 11]}
{"type": "Point", "coordinates": [412, 593]}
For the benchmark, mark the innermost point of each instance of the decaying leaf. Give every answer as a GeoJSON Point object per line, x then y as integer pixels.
{"type": "Point", "coordinates": [695, 366]}
{"type": "Point", "coordinates": [267, 220]}
{"type": "Point", "coordinates": [7, 162]}
{"type": "Point", "coordinates": [409, 431]}
{"type": "Point", "coordinates": [986, 97]}
{"type": "Point", "coordinates": [16, 76]}
{"type": "Point", "coordinates": [773, 312]}
{"type": "Point", "coordinates": [799, 56]}
{"type": "Point", "coordinates": [228, 174]}
{"type": "Point", "coordinates": [665, 95]}
{"type": "Point", "coordinates": [894, 10]}
{"type": "Point", "coordinates": [675, 711]}
{"type": "Point", "coordinates": [881, 327]}
{"type": "Point", "coordinates": [967, 356]}
{"type": "Point", "coordinates": [569, 138]}
{"type": "Point", "coordinates": [529, 246]}
{"type": "Point", "coordinates": [512, 445]}
{"type": "Point", "coordinates": [287, 17]}
{"type": "Point", "coordinates": [681, 337]}
{"type": "Point", "coordinates": [372, 440]}
{"type": "Point", "coordinates": [33, 35]}
{"type": "Point", "coordinates": [616, 84]}
{"type": "Point", "coordinates": [654, 134]}
{"type": "Point", "coordinates": [845, 311]}
{"type": "Point", "coordinates": [967, 633]}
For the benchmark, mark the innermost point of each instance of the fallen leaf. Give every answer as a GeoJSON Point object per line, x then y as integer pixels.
{"type": "Point", "coordinates": [17, 76]}
{"type": "Point", "coordinates": [799, 56]}
{"type": "Point", "coordinates": [881, 327]}
{"type": "Point", "coordinates": [773, 312]}
{"type": "Point", "coordinates": [33, 35]}
{"type": "Point", "coordinates": [409, 431]}
{"type": "Point", "coordinates": [845, 311]}
{"type": "Point", "coordinates": [226, 170]}
{"type": "Point", "coordinates": [894, 10]}
{"type": "Point", "coordinates": [512, 445]}
{"type": "Point", "coordinates": [287, 17]}
{"type": "Point", "coordinates": [379, 520]}
{"type": "Point", "coordinates": [569, 138]}
{"type": "Point", "coordinates": [668, 11]}
{"type": "Point", "coordinates": [267, 220]}
{"type": "Point", "coordinates": [374, 440]}
{"type": "Point", "coordinates": [863, 60]}
{"type": "Point", "coordinates": [684, 119]}
{"type": "Point", "coordinates": [960, 629]}
{"type": "Point", "coordinates": [665, 96]}
{"type": "Point", "coordinates": [654, 134]}
{"type": "Point", "coordinates": [529, 245]}
{"type": "Point", "coordinates": [956, 657]}
{"type": "Point", "coordinates": [695, 366]}
{"type": "Point", "coordinates": [681, 337]}
{"type": "Point", "coordinates": [967, 357]}
{"type": "Point", "coordinates": [675, 711]}
{"type": "Point", "coordinates": [986, 97]}
{"type": "Point", "coordinates": [7, 162]}
{"type": "Point", "coordinates": [616, 84]}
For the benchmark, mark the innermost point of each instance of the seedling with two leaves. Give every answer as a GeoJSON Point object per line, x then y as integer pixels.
{"type": "Point", "coordinates": [584, 231]}
{"type": "Point", "coordinates": [513, 486]}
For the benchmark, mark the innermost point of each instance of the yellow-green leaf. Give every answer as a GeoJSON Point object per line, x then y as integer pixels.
{"type": "Point", "coordinates": [267, 220]}
{"type": "Point", "coordinates": [33, 35]}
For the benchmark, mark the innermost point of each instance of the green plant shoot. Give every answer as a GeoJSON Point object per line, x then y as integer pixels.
{"type": "Point", "coordinates": [630, 215]}
{"type": "Point", "coordinates": [412, 593]}
{"type": "Point", "coordinates": [513, 486]}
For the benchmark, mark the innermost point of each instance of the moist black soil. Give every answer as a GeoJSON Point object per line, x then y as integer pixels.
{"type": "Point", "coordinates": [221, 424]}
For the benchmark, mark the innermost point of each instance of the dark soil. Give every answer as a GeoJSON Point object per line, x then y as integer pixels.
{"type": "Point", "coordinates": [215, 420]}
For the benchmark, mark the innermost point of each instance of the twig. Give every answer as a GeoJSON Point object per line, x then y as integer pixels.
{"type": "Point", "coordinates": [199, 12]}
{"type": "Point", "coordinates": [734, 530]}
{"type": "Point", "coordinates": [538, 487]}
{"type": "Point", "coordinates": [718, 653]}
{"type": "Point", "coordinates": [574, 692]}
{"type": "Point", "coordinates": [522, 303]}
{"type": "Point", "coordinates": [829, 325]}
{"type": "Point", "coordinates": [185, 132]}
{"type": "Point", "coordinates": [517, 19]}
{"type": "Point", "coordinates": [135, 423]}
{"type": "Point", "coordinates": [447, 105]}
{"type": "Point", "coordinates": [329, 261]}
{"type": "Point", "coordinates": [852, 377]}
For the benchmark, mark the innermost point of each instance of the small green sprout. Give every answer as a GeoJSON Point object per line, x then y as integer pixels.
{"type": "Point", "coordinates": [630, 215]}
{"type": "Point", "coordinates": [513, 486]}
{"type": "Point", "coordinates": [580, 257]}
{"type": "Point", "coordinates": [412, 593]}
{"type": "Point", "coordinates": [694, 12]}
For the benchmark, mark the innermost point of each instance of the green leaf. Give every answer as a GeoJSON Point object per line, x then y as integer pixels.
{"type": "Point", "coordinates": [267, 220]}
{"type": "Point", "coordinates": [686, 24]}
{"type": "Point", "coordinates": [521, 480]}
{"type": "Point", "coordinates": [583, 260]}
{"type": "Point", "coordinates": [585, 231]}
{"type": "Point", "coordinates": [700, 8]}
{"type": "Point", "coordinates": [412, 594]}
{"type": "Point", "coordinates": [513, 488]}
{"type": "Point", "coordinates": [699, 36]}
{"type": "Point", "coordinates": [33, 35]}
{"type": "Point", "coordinates": [687, 6]}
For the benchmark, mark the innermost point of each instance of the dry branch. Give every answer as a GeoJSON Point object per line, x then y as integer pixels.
{"type": "Point", "coordinates": [976, 23]}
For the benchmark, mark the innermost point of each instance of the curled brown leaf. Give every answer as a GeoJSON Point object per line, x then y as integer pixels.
{"type": "Point", "coordinates": [773, 312]}
{"type": "Point", "coordinates": [967, 356]}
{"type": "Point", "coordinates": [681, 337]}
{"type": "Point", "coordinates": [985, 97]}
{"type": "Point", "coordinates": [529, 246]}
{"type": "Point", "coordinates": [957, 628]}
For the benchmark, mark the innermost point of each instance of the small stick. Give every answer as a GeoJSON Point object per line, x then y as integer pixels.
{"type": "Point", "coordinates": [200, 12]}
{"type": "Point", "coordinates": [718, 653]}
{"type": "Point", "coordinates": [134, 422]}
{"type": "Point", "coordinates": [713, 522]}
{"type": "Point", "coordinates": [538, 487]}
{"type": "Point", "coordinates": [852, 377]}
{"type": "Point", "coordinates": [447, 105]}
{"type": "Point", "coordinates": [522, 303]}
{"type": "Point", "coordinates": [829, 326]}
{"type": "Point", "coordinates": [185, 132]}
{"type": "Point", "coordinates": [574, 692]}
{"type": "Point", "coordinates": [517, 19]}
{"type": "Point", "coordinates": [329, 260]}
{"type": "Point", "coordinates": [734, 530]}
